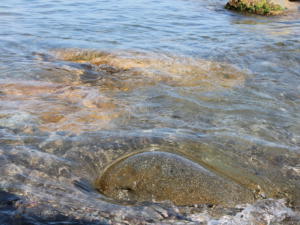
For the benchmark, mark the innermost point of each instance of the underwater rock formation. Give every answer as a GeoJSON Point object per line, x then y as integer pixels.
{"type": "Point", "coordinates": [56, 107]}
{"type": "Point", "coordinates": [127, 71]}
{"type": "Point", "coordinates": [158, 176]}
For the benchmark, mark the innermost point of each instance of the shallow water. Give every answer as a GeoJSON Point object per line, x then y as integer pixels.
{"type": "Point", "coordinates": [84, 83]}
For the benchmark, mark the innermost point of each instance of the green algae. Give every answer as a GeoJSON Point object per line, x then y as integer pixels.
{"type": "Point", "coordinates": [259, 7]}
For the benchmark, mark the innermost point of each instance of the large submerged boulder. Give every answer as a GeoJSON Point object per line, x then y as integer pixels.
{"type": "Point", "coordinates": [261, 7]}
{"type": "Point", "coordinates": [158, 176]}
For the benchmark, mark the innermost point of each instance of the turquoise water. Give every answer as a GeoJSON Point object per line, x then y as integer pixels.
{"type": "Point", "coordinates": [183, 75]}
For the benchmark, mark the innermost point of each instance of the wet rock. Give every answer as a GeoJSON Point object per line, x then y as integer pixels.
{"type": "Point", "coordinates": [261, 7]}
{"type": "Point", "coordinates": [159, 176]}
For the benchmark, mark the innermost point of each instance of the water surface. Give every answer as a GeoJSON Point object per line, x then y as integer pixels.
{"type": "Point", "coordinates": [83, 83]}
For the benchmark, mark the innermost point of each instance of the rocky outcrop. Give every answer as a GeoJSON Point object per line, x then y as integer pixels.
{"type": "Point", "coordinates": [261, 7]}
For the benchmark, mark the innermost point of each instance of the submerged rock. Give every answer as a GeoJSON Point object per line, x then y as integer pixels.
{"type": "Point", "coordinates": [159, 176]}
{"type": "Point", "coordinates": [53, 107]}
{"type": "Point", "coordinates": [261, 7]}
{"type": "Point", "coordinates": [126, 71]}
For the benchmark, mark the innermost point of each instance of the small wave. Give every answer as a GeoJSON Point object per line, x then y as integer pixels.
{"type": "Point", "coordinates": [268, 211]}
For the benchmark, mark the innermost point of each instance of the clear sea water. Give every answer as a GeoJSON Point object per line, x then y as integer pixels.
{"type": "Point", "coordinates": [83, 83]}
